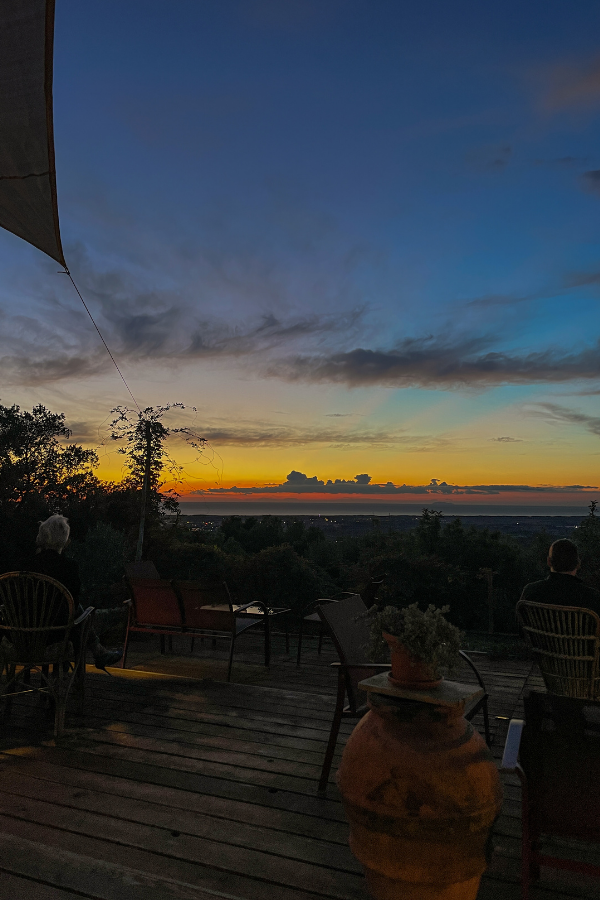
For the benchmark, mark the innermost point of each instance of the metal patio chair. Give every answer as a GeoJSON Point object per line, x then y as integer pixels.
{"type": "Point", "coordinates": [31, 641]}
{"type": "Point", "coordinates": [565, 642]}
{"type": "Point", "coordinates": [555, 752]}
{"type": "Point", "coordinates": [155, 610]}
{"type": "Point", "coordinates": [350, 633]}
{"type": "Point", "coordinates": [209, 611]}
{"type": "Point", "coordinates": [369, 596]}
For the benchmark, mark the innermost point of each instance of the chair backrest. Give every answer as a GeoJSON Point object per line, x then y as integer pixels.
{"type": "Point", "coordinates": [206, 606]}
{"type": "Point", "coordinates": [369, 595]}
{"type": "Point", "coordinates": [36, 611]}
{"type": "Point", "coordinates": [142, 569]}
{"type": "Point", "coordinates": [155, 602]}
{"type": "Point", "coordinates": [565, 641]}
{"type": "Point", "coordinates": [560, 755]}
{"type": "Point", "coordinates": [350, 633]}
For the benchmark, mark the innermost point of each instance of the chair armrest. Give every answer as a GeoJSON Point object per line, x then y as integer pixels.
{"type": "Point", "coordinates": [87, 612]}
{"type": "Point", "coordinates": [470, 663]}
{"type": "Point", "coordinates": [254, 603]}
{"type": "Point", "coordinates": [385, 667]}
{"type": "Point", "coordinates": [511, 747]}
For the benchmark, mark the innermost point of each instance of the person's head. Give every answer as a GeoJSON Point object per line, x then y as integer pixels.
{"type": "Point", "coordinates": [563, 556]}
{"type": "Point", "coordinates": [53, 534]}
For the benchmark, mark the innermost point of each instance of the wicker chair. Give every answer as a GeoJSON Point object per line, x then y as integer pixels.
{"type": "Point", "coordinates": [31, 642]}
{"type": "Point", "coordinates": [565, 641]}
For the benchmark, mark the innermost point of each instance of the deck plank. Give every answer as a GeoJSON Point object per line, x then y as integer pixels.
{"type": "Point", "coordinates": [210, 783]}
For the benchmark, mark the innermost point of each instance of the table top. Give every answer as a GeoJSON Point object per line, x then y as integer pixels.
{"type": "Point", "coordinates": [448, 693]}
{"type": "Point", "coordinates": [250, 611]}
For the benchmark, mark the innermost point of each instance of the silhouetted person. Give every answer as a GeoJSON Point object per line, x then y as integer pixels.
{"type": "Point", "coordinates": [563, 587]}
{"type": "Point", "coordinates": [53, 537]}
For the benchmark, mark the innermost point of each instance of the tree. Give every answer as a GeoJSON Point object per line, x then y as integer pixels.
{"type": "Point", "coordinates": [429, 529]}
{"type": "Point", "coordinates": [35, 465]}
{"type": "Point", "coordinates": [587, 538]}
{"type": "Point", "coordinates": [145, 435]}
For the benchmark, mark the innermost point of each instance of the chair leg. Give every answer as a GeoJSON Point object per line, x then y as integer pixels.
{"type": "Point", "coordinates": [333, 734]}
{"type": "Point", "coordinates": [162, 644]}
{"type": "Point", "coordinates": [126, 643]}
{"type": "Point", "coordinates": [486, 722]}
{"type": "Point", "coordinates": [321, 633]}
{"type": "Point", "coordinates": [59, 719]}
{"type": "Point", "coordinates": [527, 865]}
{"type": "Point", "coordinates": [300, 641]}
{"type": "Point", "coordinates": [230, 658]}
{"type": "Point", "coordinates": [10, 678]}
{"type": "Point", "coordinates": [170, 643]}
{"type": "Point", "coordinates": [80, 683]}
{"type": "Point", "coordinates": [60, 699]}
{"type": "Point", "coordinates": [267, 642]}
{"type": "Point", "coordinates": [192, 646]}
{"type": "Point", "coordinates": [287, 639]}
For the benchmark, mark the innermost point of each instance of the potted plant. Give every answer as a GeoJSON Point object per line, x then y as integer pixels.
{"type": "Point", "coordinates": [422, 644]}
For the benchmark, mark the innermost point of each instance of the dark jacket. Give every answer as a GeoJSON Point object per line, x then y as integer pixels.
{"type": "Point", "coordinates": [61, 568]}
{"type": "Point", "coordinates": [561, 589]}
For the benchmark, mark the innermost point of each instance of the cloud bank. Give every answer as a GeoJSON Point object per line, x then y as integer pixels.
{"type": "Point", "coordinates": [436, 362]}
{"type": "Point", "coordinates": [299, 483]}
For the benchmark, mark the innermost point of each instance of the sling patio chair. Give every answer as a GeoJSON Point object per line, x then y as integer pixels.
{"type": "Point", "coordinates": [208, 611]}
{"type": "Point", "coordinates": [350, 633]}
{"type": "Point", "coordinates": [565, 641]}
{"type": "Point", "coordinates": [31, 605]}
{"type": "Point", "coordinates": [369, 596]}
{"type": "Point", "coordinates": [555, 752]}
{"type": "Point", "coordinates": [155, 610]}
{"type": "Point", "coordinates": [142, 569]}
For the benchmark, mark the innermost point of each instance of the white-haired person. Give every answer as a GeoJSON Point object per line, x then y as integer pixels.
{"type": "Point", "coordinates": [52, 538]}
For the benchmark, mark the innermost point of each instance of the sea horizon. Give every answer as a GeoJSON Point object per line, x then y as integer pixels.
{"type": "Point", "coordinates": [298, 508]}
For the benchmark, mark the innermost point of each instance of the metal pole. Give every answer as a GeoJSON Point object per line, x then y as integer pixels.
{"type": "Point", "coordinates": [140, 543]}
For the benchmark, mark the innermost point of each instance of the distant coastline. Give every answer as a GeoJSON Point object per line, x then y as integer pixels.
{"type": "Point", "coordinates": [307, 508]}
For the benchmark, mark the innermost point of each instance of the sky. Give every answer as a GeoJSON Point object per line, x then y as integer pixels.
{"type": "Point", "coordinates": [359, 240]}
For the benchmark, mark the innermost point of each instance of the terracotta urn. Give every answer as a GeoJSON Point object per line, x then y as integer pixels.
{"type": "Point", "coordinates": [408, 670]}
{"type": "Point", "coordinates": [421, 791]}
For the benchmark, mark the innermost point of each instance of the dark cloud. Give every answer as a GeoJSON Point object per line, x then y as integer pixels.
{"type": "Point", "coordinates": [554, 412]}
{"type": "Point", "coordinates": [581, 279]}
{"type": "Point", "coordinates": [499, 300]}
{"type": "Point", "coordinates": [265, 434]}
{"type": "Point", "coordinates": [436, 362]}
{"type": "Point", "coordinates": [591, 181]}
{"type": "Point", "coordinates": [492, 158]}
{"type": "Point", "coordinates": [507, 440]}
{"type": "Point", "coordinates": [563, 162]}
{"type": "Point", "coordinates": [299, 483]}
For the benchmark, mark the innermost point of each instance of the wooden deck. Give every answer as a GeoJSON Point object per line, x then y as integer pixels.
{"type": "Point", "coordinates": [187, 788]}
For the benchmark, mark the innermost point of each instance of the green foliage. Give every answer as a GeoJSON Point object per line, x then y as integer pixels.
{"type": "Point", "coordinates": [279, 576]}
{"type": "Point", "coordinates": [34, 463]}
{"type": "Point", "coordinates": [253, 534]}
{"type": "Point", "coordinates": [100, 557]}
{"type": "Point", "coordinates": [587, 538]}
{"type": "Point", "coordinates": [427, 635]}
{"type": "Point", "coordinates": [145, 435]}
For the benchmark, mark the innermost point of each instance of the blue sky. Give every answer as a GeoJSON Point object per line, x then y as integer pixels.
{"type": "Point", "coordinates": [357, 235]}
